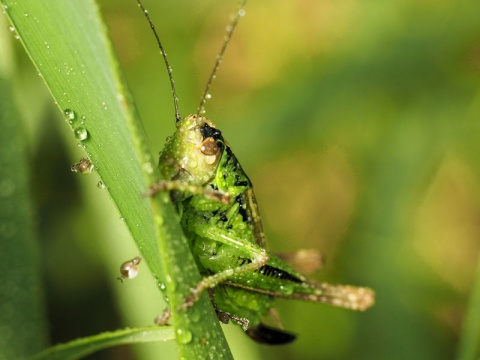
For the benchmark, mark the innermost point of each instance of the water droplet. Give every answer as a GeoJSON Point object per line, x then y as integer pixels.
{"type": "Point", "coordinates": [70, 115]}
{"type": "Point", "coordinates": [80, 133]}
{"type": "Point", "coordinates": [162, 286]}
{"type": "Point", "coordinates": [147, 167]}
{"type": "Point", "coordinates": [286, 289]}
{"type": "Point", "coordinates": [11, 28]}
{"type": "Point", "coordinates": [129, 269]}
{"type": "Point", "coordinates": [208, 96]}
{"type": "Point", "coordinates": [194, 315]}
{"type": "Point", "coordinates": [100, 185]}
{"type": "Point", "coordinates": [184, 336]}
{"type": "Point", "coordinates": [241, 12]}
{"type": "Point", "coordinates": [159, 220]}
{"type": "Point", "coordinates": [84, 166]}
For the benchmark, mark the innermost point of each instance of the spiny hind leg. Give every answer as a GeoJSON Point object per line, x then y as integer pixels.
{"type": "Point", "coordinates": [164, 317]}
{"type": "Point", "coordinates": [258, 257]}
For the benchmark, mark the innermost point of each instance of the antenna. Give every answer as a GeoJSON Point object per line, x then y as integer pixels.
{"type": "Point", "coordinates": [226, 41]}
{"type": "Point", "coordinates": [164, 54]}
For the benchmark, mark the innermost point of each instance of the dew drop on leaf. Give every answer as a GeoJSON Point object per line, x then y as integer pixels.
{"type": "Point", "coordinates": [80, 133]}
{"type": "Point", "coordinates": [70, 115]}
{"type": "Point", "coordinates": [184, 336]}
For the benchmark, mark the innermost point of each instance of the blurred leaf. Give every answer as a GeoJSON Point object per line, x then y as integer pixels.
{"type": "Point", "coordinates": [85, 346]}
{"type": "Point", "coordinates": [22, 321]}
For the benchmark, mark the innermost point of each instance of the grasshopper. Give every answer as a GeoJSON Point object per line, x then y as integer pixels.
{"type": "Point", "coordinates": [220, 217]}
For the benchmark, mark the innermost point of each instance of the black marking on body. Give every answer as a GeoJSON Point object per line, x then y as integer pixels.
{"type": "Point", "coordinates": [273, 272]}
{"type": "Point", "coordinates": [241, 179]}
{"type": "Point", "coordinates": [243, 261]}
{"type": "Point", "coordinates": [270, 271]}
{"type": "Point", "coordinates": [234, 161]}
{"type": "Point", "coordinates": [241, 183]}
{"type": "Point", "coordinates": [242, 210]}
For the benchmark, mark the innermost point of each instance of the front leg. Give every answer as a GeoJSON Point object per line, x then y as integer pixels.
{"type": "Point", "coordinates": [185, 187]}
{"type": "Point", "coordinates": [224, 316]}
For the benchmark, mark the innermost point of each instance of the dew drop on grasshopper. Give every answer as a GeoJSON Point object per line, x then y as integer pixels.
{"type": "Point", "coordinates": [220, 217]}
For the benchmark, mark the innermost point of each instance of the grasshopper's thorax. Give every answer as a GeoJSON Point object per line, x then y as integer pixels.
{"type": "Point", "coordinates": [193, 152]}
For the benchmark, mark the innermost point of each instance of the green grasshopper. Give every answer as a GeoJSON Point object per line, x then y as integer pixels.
{"type": "Point", "coordinates": [220, 217]}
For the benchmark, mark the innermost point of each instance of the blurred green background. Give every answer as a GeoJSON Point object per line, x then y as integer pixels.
{"type": "Point", "coordinates": [357, 124]}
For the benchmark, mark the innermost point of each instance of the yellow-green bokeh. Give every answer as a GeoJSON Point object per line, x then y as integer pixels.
{"type": "Point", "coordinates": [358, 125]}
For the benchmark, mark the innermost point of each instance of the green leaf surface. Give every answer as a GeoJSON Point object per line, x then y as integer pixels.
{"type": "Point", "coordinates": [67, 43]}
{"type": "Point", "coordinates": [86, 346]}
{"type": "Point", "coordinates": [22, 322]}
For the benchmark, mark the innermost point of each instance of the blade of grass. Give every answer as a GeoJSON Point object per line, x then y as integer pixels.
{"type": "Point", "coordinates": [67, 43]}
{"type": "Point", "coordinates": [22, 322]}
{"type": "Point", "coordinates": [86, 346]}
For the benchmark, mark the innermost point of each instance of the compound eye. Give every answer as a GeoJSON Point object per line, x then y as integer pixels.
{"type": "Point", "coordinates": [209, 146]}
{"type": "Point", "coordinates": [211, 150]}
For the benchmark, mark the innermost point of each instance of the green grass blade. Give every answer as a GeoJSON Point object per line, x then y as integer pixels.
{"type": "Point", "coordinates": [67, 43]}
{"type": "Point", "coordinates": [86, 346]}
{"type": "Point", "coordinates": [198, 330]}
{"type": "Point", "coordinates": [22, 323]}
